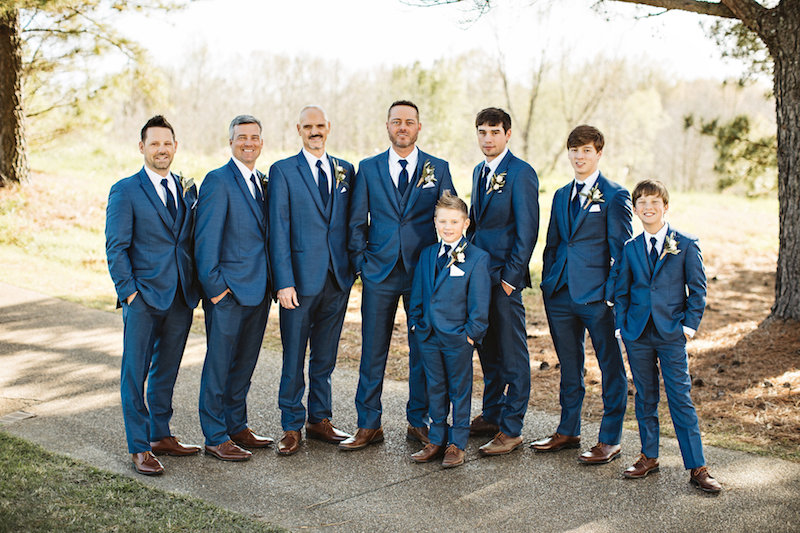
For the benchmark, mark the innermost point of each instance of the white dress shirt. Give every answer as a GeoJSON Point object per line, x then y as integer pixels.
{"type": "Point", "coordinates": [246, 173]}
{"type": "Point", "coordinates": [588, 183]}
{"type": "Point", "coordinates": [395, 167]}
{"type": "Point", "coordinates": [493, 164]}
{"type": "Point", "coordinates": [156, 180]}
{"type": "Point", "coordinates": [312, 162]}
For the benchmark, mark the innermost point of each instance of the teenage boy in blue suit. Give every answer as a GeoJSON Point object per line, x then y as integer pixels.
{"type": "Point", "coordinates": [149, 223]}
{"type": "Point", "coordinates": [505, 223]}
{"type": "Point", "coordinates": [449, 313]}
{"type": "Point", "coordinates": [661, 295]}
{"type": "Point", "coordinates": [233, 269]}
{"type": "Point", "coordinates": [590, 221]}
{"type": "Point", "coordinates": [309, 197]}
{"type": "Point", "coordinates": [391, 221]}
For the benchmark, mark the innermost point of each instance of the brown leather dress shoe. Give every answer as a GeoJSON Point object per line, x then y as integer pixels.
{"type": "Point", "coordinates": [247, 439]}
{"type": "Point", "coordinates": [171, 446]}
{"type": "Point", "coordinates": [326, 431]}
{"type": "Point", "coordinates": [701, 479]}
{"type": "Point", "coordinates": [480, 426]}
{"type": "Point", "coordinates": [642, 467]}
{"type": "Point", "coordinates": [147, 464]}
{"type": "Point", "coordinates": [556, 442]}
{"type": "Point", "coordinates": [501, 444]}
{"type": "Point", "coordinates": [289, 443]}
{"type": "Point", "coordinates": [228, 451]}
{"type": "Point", "coordinates": [363, 438]}
{"type": "Point", "coordinates": [428, 453]}
{"type": "Point", "coordinates": [600, 454]}
{"type": "Point", "coordinates": [453, 456]}
{"type": "Point", "coordinates": [419, 434]}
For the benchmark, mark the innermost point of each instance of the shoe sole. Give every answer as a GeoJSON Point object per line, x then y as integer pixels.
{"type": "Point", "coordinates": [352, 449]}
{"type": "Point", "coordinates": [604, 462]}
{"type": "Point", "coordinates": [430, 460]}
{"type": "Point", "coordinates": [253, 446]}
{"type": "Point", "coordinates": [490, 454]}
{"type": "Point", "coordinates": [157, 473]}
{"type": "Point", "coordinates": [323, 439]}
{"type": "Point", "coordinates": [173, 454]}
{"type": "Point", "coordinates": [230, 460]}
{"type": "Point", "coordinates": [709, 491]}
{"type": "Point", "coordinates": [557, 449]}
{"type": "Point", "coordinates": [630, 476]}
{"type": "Point", "coordinates": [286, 453]}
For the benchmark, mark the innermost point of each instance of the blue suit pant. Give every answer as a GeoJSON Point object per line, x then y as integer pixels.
{"type": "Point", "coordinates": [378, 309]}
{"type": "Point", "coordinates": [505, 363]}
{"type": "Point", "coordinates": [317, 320]}
{"type": "Point", "coordinates": [448, 371]}
{"type": "Point", "coordinates": [569, 322]}
{"type": "Point", "coordinates": [644, 356]}
{"type": "Point", "coordinates": [153, 346]}
{"type": "Point", "coordinates": [233, 333]}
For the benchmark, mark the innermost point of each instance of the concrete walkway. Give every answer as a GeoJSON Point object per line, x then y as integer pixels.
{"type": "Point", "coordinates": [60, 362]}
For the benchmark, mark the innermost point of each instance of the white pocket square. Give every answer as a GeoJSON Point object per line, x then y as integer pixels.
{"type": "Point", "coordinates": [456, 272]}
{"type": "Point", "coordinates": [344, 189]}
{"type": "Point", "coordinates": [429, 185]}
{"type": "Point", "coordinates": [594, 208]}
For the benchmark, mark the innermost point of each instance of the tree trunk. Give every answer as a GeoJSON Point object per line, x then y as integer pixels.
{"type": "Point", "coordinates": [784, 45]}
{"type": "Point", "coordinates": [13, 155]}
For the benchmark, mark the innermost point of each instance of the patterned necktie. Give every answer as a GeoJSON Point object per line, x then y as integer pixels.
{"type": "Point", "coordinates": [653, 254]}
{"type": "Point", "coordinates": [256, 190]}
{"type": "Point", "coordinates": [402, 179]}
{"type": "Point", "coordinates": [575, 204]}
{"type": "Point", "coordinates": [322, 183]}
{"type": "Point", "coordinates": [173, 210]}
{"type": "Point", "coordinates": [441, 261]}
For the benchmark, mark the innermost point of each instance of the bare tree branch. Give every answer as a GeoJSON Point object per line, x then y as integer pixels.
{"type": "Point", "coordinates": [702, 7]}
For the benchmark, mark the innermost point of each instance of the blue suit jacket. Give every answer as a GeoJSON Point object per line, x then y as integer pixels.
{"type": "Point", "coordinates": [306, 239]}
{"type": "Point", "coordinates": [147, 250]}
{"type": "Point", "coordinates": [588, 250]}
{"type": "Point", "coordinates": [507, 223]}
{"type": "Point", "coordinates": [452, 306]}
{"type": "Point", "coordinates": [674, 295]}
{"type": "Point", "coordinates": [231, 237]}
{"type": "Point", "coordinates": [381, 230]}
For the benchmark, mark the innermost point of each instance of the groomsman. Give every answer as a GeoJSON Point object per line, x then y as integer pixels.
{"type": "Point", "coordinates": [505, 222]}
{"type": "Point", "coordinates": [391, 221]}
{"type": "Point", "coordinates": [590, 220]}
{"type": "Point", "coordinates": [233, 268]}
{"type": "Point", "coordinates": [309, 198]}
{"type": "Point", "coordinates": [149, 223]}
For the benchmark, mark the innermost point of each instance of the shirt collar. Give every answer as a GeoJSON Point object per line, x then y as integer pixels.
{"type": "Point", "coordinates": [394, 159]}
{"type": "Point", "coordinates": [246, 172]}
{"type": "Point", "coordinates": [312, 159]}
{"type": "Point", "coordinates": [494, 163]}
{"type": "Point", "coordinates": [156, 178]}
{"type": "Point", "coordinates": [588, 183]}
{"type": "Point", "coordinates": [660, 235]}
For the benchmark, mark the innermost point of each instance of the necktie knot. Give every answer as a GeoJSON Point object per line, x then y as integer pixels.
{"type": "Point", "coordinates": [447, 249]}
{"type": "Point", "coordinates": [653, 242]}
{"type": "Point", "coordinates": [441, 261]}
{"type": "Point", "coordinates": [403, 163]}
{"type": "Point", "coordinates": [579, 187]}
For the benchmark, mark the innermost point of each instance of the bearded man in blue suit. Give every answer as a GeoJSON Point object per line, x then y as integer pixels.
{"type": "Point", "coordinates": [309, 199]}
{"type": "Point", "coordinates": [391, 221]}
{"type": "Point", "coordinates": [149, 222]}
{"type": "Point", "coordinates": [233, 269]}
{"type": "Point", "coordinates": [504, 222]}
{"type": "Point", "coordinates": [590, 220]}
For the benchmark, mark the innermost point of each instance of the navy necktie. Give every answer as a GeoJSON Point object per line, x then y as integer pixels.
{"type": "Point", "coordinates": [653, 254]}
{"type": "Point", "coordinates": [575, 205]}
{"type": "Point", "coordinates": [256, 190]}
{"type": "Point", "coordinates": [322, 183]}
{"type": "Point", "coordinates": [402, 179]}
{"type": "Point", "coordinates": [442, 260]}
{"type": "Point", "coordinates": [482, 184]}
{"type": "Point", "coordinates": [173, 210]}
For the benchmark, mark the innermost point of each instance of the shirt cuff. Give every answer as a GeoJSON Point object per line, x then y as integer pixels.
{"type": "Point", "coordinates": [689, 331]}
{"type": "Point", "coordinates": [609, 303]}
{"type": "Point", "coordinates": [510, 285]}
{"type": "Point", "coordinates": [618, 333]}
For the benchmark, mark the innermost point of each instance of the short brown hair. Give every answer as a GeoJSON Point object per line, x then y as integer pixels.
{"type": "Point", "coordinates": [650, 188]}
{"type": "Point", "coordinates": [157, 121]}
{"type": "Point", "coordinates": [449, 200]}
{"type": "Point", "coordinates": [407, 103]}
{"type": "Point", "coordinates": [585, 134]}
{"type": "Point", "coordinates": [493, 116]}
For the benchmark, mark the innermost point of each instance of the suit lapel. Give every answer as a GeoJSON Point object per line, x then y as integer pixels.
{"type": "Point", "coordinates": [258, 211]}
{"type": "Point", "coordinates": [386, 180]}
{"type": "Point", "coordinates": [475, 199]}
{"type": "Point", "coordinates": [562, 208]}
{"type": "Point", "coordinates": [662, 256]}
{"type": "Point", "coordinates": [308, 179]}
{"type": "Point", "coordinates": [412, 197]}
{"type": "Point", "coordinates": [502, 167]}
{"type": "Point", "coordinates": [600, 184]}
{"type": "Point", "coordinates": [151, 194]}
{"type": "Point", "coordinates": [445, 273]}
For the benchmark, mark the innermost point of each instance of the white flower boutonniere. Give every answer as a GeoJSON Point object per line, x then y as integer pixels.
{"type": "Point", "coordinates": [186, 184]}
{"type": "Point", "coordinates": [457, 254]}
{"type": "Point", "coordinates": [496, 182]}
{"type": "Point", "coordinates": [428, 175]}
{"type": "Point", "coordinates": [339, 172]}
{"type": "Point", "coordinates": [594, 196]}
{"type": "Point", "coordinates": [264, 181]}
{"type": "Point", "coordinates": [670, 246]}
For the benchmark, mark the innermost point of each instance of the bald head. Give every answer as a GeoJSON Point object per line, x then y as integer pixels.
{"type": "Point", "coordinates": [313, 127]}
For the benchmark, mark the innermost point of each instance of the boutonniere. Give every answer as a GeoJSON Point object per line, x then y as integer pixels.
{"type": "Point", "coordinates": [339, 172]}
{"type": "Point", "coordinates": [428, 175]}
{"type": "Point", "coordinates": [186, 184]}
{"type": "Point", "coordinates": [457, 254]}
{"type": "Point", "coordinates": [264, 181]}
{"type": "Point", "coordinates": [670, 246]}
{"type": "Point", "coordinates": [594, 196]}
{"type": "Point", "coordinates": [496, 182]}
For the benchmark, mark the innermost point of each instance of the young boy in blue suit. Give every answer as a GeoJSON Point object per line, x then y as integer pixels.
{"type": "Point", "coordinates": [661, 295]}
{"type": "Point", "coordinates": [449, 313]}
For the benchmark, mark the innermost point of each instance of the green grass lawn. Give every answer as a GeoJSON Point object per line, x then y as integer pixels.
{"type": "Point", "coordinates": [42, 491]}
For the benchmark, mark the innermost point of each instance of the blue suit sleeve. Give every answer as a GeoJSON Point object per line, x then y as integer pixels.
{"type": "Point", "coordinates": [696, 283]}
{"type": "Point", "coordinates": [357, 225]}
{"type": "Point", "coordinates": [119, 233]}
{"type": "Point", "coordinates": [525, 203]}
{"type": "Point", "coordinates": [478, 295]}
{"type": "Point", "coordinates": [552, 241]}
{"type": "Point", "coordinates": [622, 287]}
{"type": "Point", "coordinates": [447, 181]}
{"type": "Point", "coordinates": [210, 216]}
{"type": "Point", "coordinates": [280, 227]}
{"type": "Point", "coordinates": [619, 224]}
{"type": "Point", "coordinates": [415, 304]}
